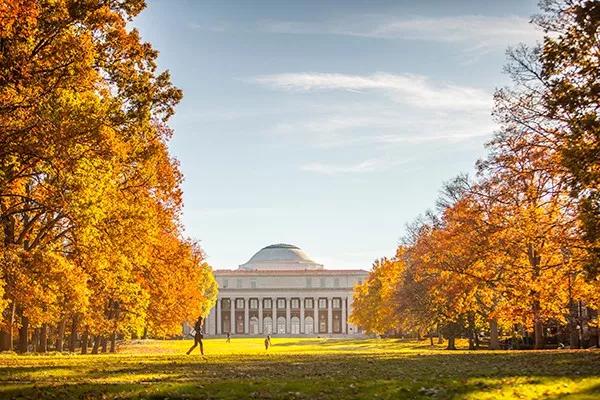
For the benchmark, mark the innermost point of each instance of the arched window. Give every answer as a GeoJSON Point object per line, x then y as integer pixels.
{"type": "Point", "coordinates": [308, 302]}
{"type": "Point", "coordinates": [337, 323]}
{"type": "Point", "coordinates": [253, 325]}
{"type": "Point", "coordinates": [309, 325]}
{"type": "Point", "coordinates": [253, 304]}
{"type": "Point", "coordinates": [295, 325]}
{"type": "Point", "coordinates": [295, 303]}
{"type": "Point", "coordinates": [239, 326]}
{"type": "Point", "coordinates": [322, 322]}
{"type": "Point", "coordinates": [226, 324]}
{"type": "Point", "coordinates": [268, 325]}
{"type": "Point", "coordinates": [281, 325]}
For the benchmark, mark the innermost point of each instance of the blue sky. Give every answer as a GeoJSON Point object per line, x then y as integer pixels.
{"type": "Point", "coordinates": [329, 125]}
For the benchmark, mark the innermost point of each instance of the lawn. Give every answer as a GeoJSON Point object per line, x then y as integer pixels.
{"type": "Point", "coordinates": [302, 369]}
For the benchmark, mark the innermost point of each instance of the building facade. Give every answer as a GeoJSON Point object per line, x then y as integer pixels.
{"type": "Point", "coordinates": [281, 291]}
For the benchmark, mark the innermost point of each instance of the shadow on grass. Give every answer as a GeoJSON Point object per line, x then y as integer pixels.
{"type": "Point", "coordinates": [291, 389]}
{"type": "Point", "coordinates": [342, 343]}
{"type": "Point", "coordinates": [280, 375]}
{"type": "Point", "coordinates": [592, 392]}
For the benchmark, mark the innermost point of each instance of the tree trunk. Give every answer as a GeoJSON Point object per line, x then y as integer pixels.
{"type": "Point", "coordinates": [573, 333]}
{"type": "Point", "coordinates": [84, 341]}
{"type": "Point", "coordinates": [60, 335]}
{"type": "Point", "coordinates": [574, 339]}
{"type": "Point", "coordinates": [44, 338]}
{"type": "Point", "coordinates": [73, 336]}
{"type": "Point", "coordinates": [24, 335]}
{"type": "Point", "coordinates": [471, 321]}
{"type": "Point", "coordinates": [145, 336]}
{"type": "Point", "coordinates": [494, 342]}
{"type": "Point", "coordinates": [104, 344]}
{"type": "Point", "coordinates": [96, 344]}
{"type": "Point", "coordinates": [538, 327]}
{"type": "Point", "coordinates": [4, 340]}
{"type": "Point", "coordinates": [11, 326]}
{"type": "Point", "coordinates": [431, 338]}
{"type": "Point", "coordinates": [451, 343]}
{"type": "Point", "coordinates": [36, 340]}
{"type": "Point", "coordinates": [539, 335]}
{"type": "Point", "coordinates": [113, 342]}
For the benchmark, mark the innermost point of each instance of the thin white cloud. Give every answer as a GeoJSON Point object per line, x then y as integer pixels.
{"type": "Point", "coordinates": [441, 137]}
{"type": "Point", "coordinates": [382, 125]}
{"type": "Point", "coordinates": [372, 165]}
{"type": "Point", "coordinates": [487, 30]}
{"type": "Point", "coordinates": [477, 31]}
{"type": "Point", "coordinates": [415, 90]}
{"type": "Point", "coordinates": [232, 211]}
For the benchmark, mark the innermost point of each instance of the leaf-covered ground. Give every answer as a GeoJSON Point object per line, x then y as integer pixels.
{"type": "Point", "coordinates": [302, 369]}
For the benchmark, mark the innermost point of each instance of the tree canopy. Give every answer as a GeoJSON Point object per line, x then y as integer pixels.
{"type": "Point", "coordinates": [516, 246]}
{"type": "Point", "coordinates": [90, 198]}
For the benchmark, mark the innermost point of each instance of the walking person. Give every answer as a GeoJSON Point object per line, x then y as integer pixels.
{"type": "Point", "coordinates": [198, 336]}
{"type": "Point", "coordinates": [268, 342]}
{"type": "Point", "coordinates": [228, 338]}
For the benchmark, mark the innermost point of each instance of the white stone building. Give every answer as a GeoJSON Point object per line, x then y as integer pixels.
{"type": "Point", "coordinates": [281, 291]}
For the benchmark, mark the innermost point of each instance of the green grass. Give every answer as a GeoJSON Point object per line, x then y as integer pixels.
{"type": "Point", "coordinates": [302, 369]}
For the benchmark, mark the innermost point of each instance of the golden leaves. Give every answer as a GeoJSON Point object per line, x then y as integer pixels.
{"type": "Point", "coordinates": [89, 195]}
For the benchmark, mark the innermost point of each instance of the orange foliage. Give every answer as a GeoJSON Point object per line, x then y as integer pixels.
{"type": "Point", "coordinates": [90, 198]}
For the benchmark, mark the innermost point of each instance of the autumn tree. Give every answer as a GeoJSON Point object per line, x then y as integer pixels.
{"type": "Point", "coordinates": [88, 189]}
{"type": "Point", "coordinates": [416, 304]}
{"type": "Point", "coordinates": [518, 245]}
{"type": "Point", "coordinates": [569, 66]}
{"type": "Point", "coordinates": [374, 305]}
{"type": "Point", "coordinates": [548, 144]}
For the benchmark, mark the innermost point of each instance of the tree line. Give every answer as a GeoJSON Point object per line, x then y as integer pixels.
{"type": "Point", "coordinates": [91, 244]}
{"type": "Point", "coordinates": [515, 249]}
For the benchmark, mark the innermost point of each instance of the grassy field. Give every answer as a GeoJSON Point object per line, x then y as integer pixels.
{"type": "Point", "coordinates": [302, 369]}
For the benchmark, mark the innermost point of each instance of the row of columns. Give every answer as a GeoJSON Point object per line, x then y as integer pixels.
{"type": "Point", "coordinates": [288, 310]}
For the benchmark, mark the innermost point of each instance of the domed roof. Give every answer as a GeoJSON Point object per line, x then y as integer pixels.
{"type": "Point", "coordinates": [280, 257]}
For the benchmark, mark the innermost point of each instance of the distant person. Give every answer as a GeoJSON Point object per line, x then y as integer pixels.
{"type": "Point", "coordinates": [268, 342]}
{"type": "Point", "coordinates": [228, 338]}
{"type": "Point", "coordinates": [198, 336]}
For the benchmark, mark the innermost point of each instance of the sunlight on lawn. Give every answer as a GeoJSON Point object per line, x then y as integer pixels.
{"type": "Point", "coordinates": [219, 347]}
{"type": "Point", "coordinates": [302, 368]}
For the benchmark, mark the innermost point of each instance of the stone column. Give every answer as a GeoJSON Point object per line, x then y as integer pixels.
{"type": "Point", "coordinates": [350, 313]}
{"type": "Point", "coordinates": [218, 309]}
{"type": "Point", "coordinates": [232, 315]}
{"type": "Point", "coordinates": [288, 316]}
{"type": "Point", "coordinates": [260, 316]}
{"type": "Point", "coordinates": [246, 316]}
{"type": "Point", "coordinates": [211, 321]}
{"type": "Point", "coordinates": [344, 331]}
{"type": "Point", "coordinates": [274, 316]}
{"type": "Point", "coordinates": [315, 315]}
{"type": "Point", "coordinates": [207, 321]}
{"type": "Point", "coordinates": [329, 316]}
{"type": "Point", "coordinates": [302, 315]}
